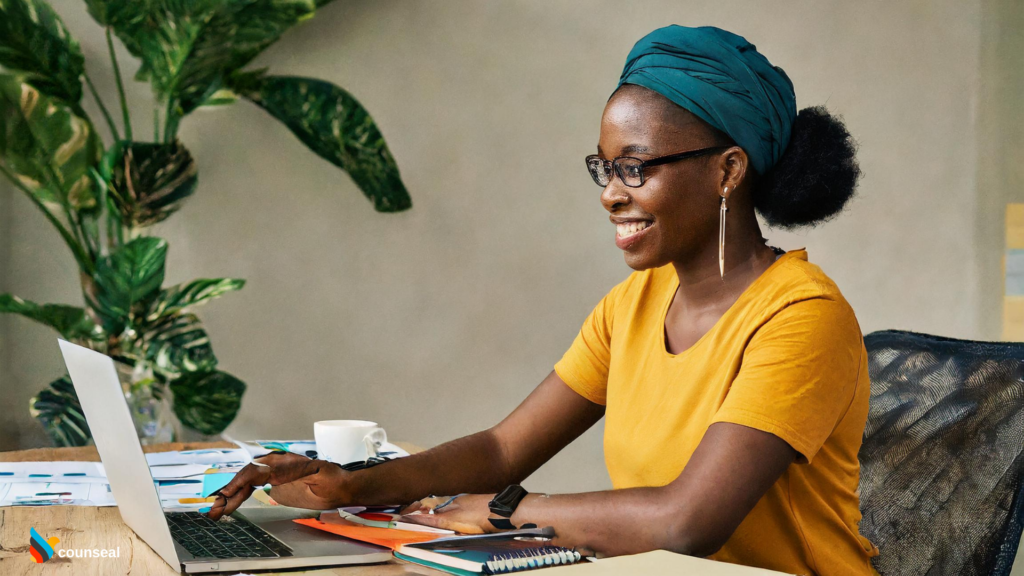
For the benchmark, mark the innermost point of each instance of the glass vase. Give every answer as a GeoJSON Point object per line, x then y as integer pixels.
{"type": "Point", "coordinates": [149, 403]}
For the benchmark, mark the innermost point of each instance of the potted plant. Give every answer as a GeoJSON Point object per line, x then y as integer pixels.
{"type": "Point", "coordinates": [104, 195]}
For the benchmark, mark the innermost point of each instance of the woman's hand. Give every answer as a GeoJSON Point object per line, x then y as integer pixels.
{"type": "Point", "coordinates": [297, 481]}
{"type": "Point", "coordinates": [467, 514]}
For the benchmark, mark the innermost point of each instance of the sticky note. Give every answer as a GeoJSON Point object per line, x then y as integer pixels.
{"type": "Point", "coordinates": [215, 481]}
{"type": "Point", "coordinates": [197, 500]}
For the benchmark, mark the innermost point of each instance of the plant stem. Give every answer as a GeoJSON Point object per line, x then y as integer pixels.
{"type": "Point", "coordinates": [76, 226]}
{"type": "Point", "coordinates": [103, 109]}
{"type": "Point", "coordinates": [156, 123]}
{"type": "Point", "coordinates": [76, 249]}
{"type": "Point", "coordinates": [170, 122]}
{"type": "Point", "coordinates": [120, 88]}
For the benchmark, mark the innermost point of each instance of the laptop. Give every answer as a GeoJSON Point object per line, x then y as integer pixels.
{"type": "Point", "coordinates": [252, 538]}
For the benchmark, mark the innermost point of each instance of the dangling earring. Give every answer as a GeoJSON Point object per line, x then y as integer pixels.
{"type": "Point", "coordinates": [721, 235]}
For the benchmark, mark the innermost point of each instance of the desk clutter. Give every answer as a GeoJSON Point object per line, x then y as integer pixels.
{"type": "Point", "coordinates": [501, 553]}
{"type": "Point", "coordinates": [184, 479]}
{"type": "Point", "coordinates": [504, 552]}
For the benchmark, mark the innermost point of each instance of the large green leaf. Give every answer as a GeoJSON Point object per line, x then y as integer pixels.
{"type": "Point", "coordinates": [34, 42]}
{"type": "Point", "coordinates": [128, 280]}
{"type": "Point", "coordinates": [176, 345]}
{"type": "Point", "coordinates": [235, 34]}
{"type": "Point", "coordinates": [207, 401]}
{"type": "Point", "coordinates": [155, 31]}
{"type": "Point", "coordinates": [47, 146]}
{"type": "Point", "coordinates": [58, 409]}
{"type": "Point", "coordinates": [188, 47]}
{"type": "Point", "coordinates": [332, 123]}
{"type": "Point", "coordinates": [176, 298]}
{"type": "Point", "coordinates": [70, 321]}
{"type": "Point", "coordinates": [120, 15]}
{"type": "Point", "coordinates": [148, 182]}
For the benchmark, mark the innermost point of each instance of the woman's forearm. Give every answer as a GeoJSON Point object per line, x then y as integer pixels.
{"type": "Point", "coordinates": [728, 473]}
{"type": "Point", "coordinates": [617, 522]}
{"type": "Point", "coordinates": [551, 417]}
{"type": "Point", "coordinates": [474, 463]}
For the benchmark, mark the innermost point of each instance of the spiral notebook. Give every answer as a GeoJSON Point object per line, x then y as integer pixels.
{"type": "Point", "coordinates": [491, 553]}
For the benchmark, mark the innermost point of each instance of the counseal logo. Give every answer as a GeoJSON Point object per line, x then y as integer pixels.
{"type": "Point", "coordinates": [41, 548]}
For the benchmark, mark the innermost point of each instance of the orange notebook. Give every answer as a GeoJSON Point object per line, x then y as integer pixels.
{"type": "Point", "coordinates": [389, 537]}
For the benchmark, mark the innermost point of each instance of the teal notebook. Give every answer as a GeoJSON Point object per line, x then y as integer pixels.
{"type": "Point", "coordinates": [501, 553]}
{"type": "Point", "coordinates": [440, 567]}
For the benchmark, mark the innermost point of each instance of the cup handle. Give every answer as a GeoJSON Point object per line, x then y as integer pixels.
{"type": "Point", "coordinates": [374, 440]}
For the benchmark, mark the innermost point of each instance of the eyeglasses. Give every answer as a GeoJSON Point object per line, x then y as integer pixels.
{"type": "Point", "coordinates": [631, 170]}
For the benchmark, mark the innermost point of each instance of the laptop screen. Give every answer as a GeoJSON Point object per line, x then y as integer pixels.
{"type": "Point", "coordinates": [106, 411]}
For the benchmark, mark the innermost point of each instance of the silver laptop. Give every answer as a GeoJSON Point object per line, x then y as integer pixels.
{"type": "Point", "coordinates": [250, 539]}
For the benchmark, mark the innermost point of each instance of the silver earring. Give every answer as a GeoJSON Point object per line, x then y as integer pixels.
{"type": "Point", "coordinates": [721, 235]}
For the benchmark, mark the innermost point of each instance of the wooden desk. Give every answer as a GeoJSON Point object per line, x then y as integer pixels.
{"type": "Point", "coordinates": [92, 527]}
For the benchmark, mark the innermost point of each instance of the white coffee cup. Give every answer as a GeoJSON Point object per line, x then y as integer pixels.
{"type": "Point", "coordinates": [345, 441]}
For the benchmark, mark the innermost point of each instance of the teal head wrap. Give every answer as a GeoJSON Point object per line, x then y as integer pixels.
{"type": "Point", "coordinates": [724, 80]}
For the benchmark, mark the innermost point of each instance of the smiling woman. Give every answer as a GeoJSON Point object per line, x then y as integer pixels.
{"type": "Point", "coordinates": [732, 375]}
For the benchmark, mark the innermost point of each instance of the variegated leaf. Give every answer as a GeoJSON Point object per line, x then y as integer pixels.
{"type": "Point", "coordinates": [148, 182]}
{"type": "Point", "coordinates": [47, 147]}
{"type": "Point", "coordinates": [176, 345]}
{"type": "Point", "coordinates": [188, 46]}
{"type": "Point", "coordinates": [207, 401]}
{"type": "Point", "coordinates": [71, 322]}
{"type": "Point", "coordinates": [58, 409]}
{"type": "Point", "coordinates": [35, 44]}
{"type": "Point", "coordinates": [127, 281]}
{"type": "Point", "coordinates": [176, 298]}
{"type": "Point", "coordinates": [334, 125]}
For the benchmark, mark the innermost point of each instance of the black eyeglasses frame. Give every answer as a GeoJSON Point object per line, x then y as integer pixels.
{"type": "Point", "coordinates": [616, 167]}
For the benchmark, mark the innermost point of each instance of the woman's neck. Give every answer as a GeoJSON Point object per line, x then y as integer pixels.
{"type": "Point", "coordinates": [701, 285]}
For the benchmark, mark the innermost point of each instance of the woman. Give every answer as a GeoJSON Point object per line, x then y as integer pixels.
{"type": "Point", "coordinates": [732, 376]}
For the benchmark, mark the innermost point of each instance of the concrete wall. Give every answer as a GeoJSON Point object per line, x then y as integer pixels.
{"type": "Point", "coordinates": [436, 322]}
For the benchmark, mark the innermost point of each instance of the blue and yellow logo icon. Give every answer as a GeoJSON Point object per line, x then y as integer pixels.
{"type": "Point", "coordinates": [41, 548]}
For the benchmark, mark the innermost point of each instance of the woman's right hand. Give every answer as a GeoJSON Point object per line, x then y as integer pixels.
{"type": "Point", "coordinates": [296, 481]}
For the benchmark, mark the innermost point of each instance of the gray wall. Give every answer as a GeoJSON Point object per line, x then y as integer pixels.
{"type": "Point", "coordinates": [436, 322]}
{"type": "Point", "coordinates": [1000, 136]}
{"type": "Point", "coordinates": [7, 424]}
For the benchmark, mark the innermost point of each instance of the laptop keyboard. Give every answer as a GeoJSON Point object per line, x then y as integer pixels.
{"type": "Point", "coordinates": [230, 537]}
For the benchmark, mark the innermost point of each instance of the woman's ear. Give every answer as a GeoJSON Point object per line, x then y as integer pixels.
{"type": "Point", "coordinates": [733, 164]}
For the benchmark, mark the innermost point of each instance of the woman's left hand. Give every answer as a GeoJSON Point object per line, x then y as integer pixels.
{"type": "Point", "coordinates": [467, 514]}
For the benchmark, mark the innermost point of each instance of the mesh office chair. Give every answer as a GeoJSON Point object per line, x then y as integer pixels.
{"type": "Point", "coordinates": [942, 464]}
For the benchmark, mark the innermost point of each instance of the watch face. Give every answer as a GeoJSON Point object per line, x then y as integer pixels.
{"type": "Point", "coordinates": [505, 504]}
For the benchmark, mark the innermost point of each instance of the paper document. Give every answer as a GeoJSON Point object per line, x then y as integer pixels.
{"type": "Point", "coordinates": [52, 472]}
{"type": "Point", "coordinates": [205, 456]}
{"type": "Point", "coordinates": [48, 493]}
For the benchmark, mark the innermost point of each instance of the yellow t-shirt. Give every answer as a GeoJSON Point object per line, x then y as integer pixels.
{"type": "Point", "coordinates": [787, 358]}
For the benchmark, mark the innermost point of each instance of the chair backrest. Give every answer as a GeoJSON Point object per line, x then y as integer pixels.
{"type": "Point", "coordinates": [942, 462]}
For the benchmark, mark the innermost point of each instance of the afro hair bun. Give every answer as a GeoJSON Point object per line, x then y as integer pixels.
{"type": "Point", "coordinates": [816, 176]}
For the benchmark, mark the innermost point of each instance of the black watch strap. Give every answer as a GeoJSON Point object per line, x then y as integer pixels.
{"type": "Point", "coordinates": [505, 503]}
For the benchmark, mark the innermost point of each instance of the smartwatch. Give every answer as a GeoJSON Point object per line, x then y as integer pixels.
{"type": "Point", "coordinates": [504, 505]}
